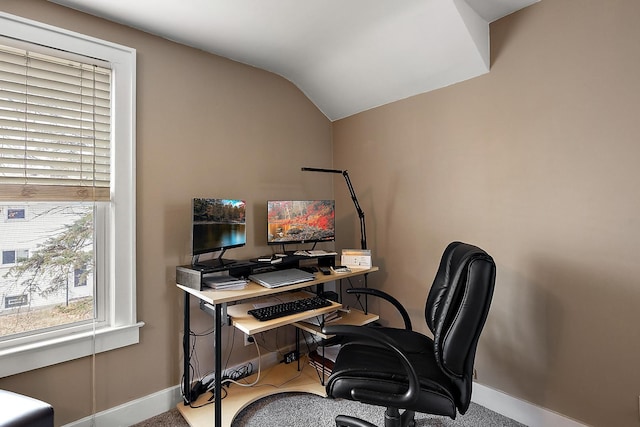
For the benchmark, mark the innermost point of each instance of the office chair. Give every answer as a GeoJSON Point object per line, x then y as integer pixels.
{"type": "Point", "coordinates": [401, 369]}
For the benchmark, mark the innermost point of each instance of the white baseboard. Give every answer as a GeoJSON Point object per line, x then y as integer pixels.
{"type": "Point", "coordinates": [519, 410]}
{"type": "Point", "coordinates": [151, 405]}
{"type": "Point", "coordinates": [154, 404]}
{"type": "Point", "coordinates": [134, 411]}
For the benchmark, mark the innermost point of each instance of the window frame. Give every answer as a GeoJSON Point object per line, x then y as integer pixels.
{"type": "Point", "coordinates": [118, 251]}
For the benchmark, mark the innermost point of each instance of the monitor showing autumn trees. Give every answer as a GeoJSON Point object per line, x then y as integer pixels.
{"type": "Point", "coordinates": [300, 221]}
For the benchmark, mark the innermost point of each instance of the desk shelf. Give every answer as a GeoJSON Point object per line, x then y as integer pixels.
{"type": "Point", "coordinates": [354, 317]}
{"type": "Point", "coordinates": [254, 290]}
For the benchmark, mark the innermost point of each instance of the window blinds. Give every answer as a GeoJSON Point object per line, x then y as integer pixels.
{"type": "Point", "coordinates": [55, 124]}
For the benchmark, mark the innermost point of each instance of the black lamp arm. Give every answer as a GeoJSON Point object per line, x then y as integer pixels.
{"type": "Point", "coordinates": [345, 174]}
{"type": "Point", "coordinates": [363, 232]}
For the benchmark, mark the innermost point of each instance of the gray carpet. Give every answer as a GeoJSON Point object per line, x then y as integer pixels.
{"type": "Point", "coordinates": [307, 410]}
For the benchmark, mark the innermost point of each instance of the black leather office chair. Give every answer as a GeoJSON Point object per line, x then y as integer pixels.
{"type": "Point", "coordinates": [404, 370]}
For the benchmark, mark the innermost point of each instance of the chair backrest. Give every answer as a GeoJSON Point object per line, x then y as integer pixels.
{"type": "Point", "coordinates": [456, 311]}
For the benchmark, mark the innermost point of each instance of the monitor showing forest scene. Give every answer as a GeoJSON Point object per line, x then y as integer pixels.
{"type": "Point", "coordinates": [218, 224]}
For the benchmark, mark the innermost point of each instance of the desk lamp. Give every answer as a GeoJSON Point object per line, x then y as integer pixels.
{"type": "Point", "coordinates": [363, 232]}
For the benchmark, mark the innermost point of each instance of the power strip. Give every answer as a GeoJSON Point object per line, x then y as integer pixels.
{"type": "Point", "coordinates": [292, 356]}
{"type": "Point", "coordinates": [197, 389]}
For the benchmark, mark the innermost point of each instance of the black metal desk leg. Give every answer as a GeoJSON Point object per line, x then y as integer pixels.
{"type": "Point", "coordinates": [298, 346]}
{"type": "Point", "coordinates": [218, 366]}
{"type": "Point", "coordinates": [186, 341]}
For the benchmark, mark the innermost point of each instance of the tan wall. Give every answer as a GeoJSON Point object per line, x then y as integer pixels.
{"type": "Point", "coordinates": [206, 126]}
{"type": "Point", "coordinates": [537, 162]}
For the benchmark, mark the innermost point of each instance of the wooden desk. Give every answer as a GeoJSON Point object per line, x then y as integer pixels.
{"type": "Point", "coordinates": [239, 318]}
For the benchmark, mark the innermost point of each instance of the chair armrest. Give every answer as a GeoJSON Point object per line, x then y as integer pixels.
{"type": "Point", "coordinates": [410, 397]}
{"type": "Point", "coordinates": [385, 296]}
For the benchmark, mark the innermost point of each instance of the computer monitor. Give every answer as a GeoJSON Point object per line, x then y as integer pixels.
{"type": "Point", "coordinates": [217, 225]}
{"type": "Point", "coordinates": [300, 221]}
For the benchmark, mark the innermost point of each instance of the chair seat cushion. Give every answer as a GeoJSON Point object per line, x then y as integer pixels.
{"type": "Point", "coordinates": [362, 366]}
{"type": "Point", "coordinates": [17, 410]}
{"type": "Point", "coordinates": [410, 341]}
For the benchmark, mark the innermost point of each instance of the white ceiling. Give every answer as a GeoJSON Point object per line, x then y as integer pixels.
{"type": "Point", "coordinates": [347, 56]}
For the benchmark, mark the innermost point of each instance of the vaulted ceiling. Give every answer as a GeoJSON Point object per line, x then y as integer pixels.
{"type": "Point", "coordinates": [347, 56]}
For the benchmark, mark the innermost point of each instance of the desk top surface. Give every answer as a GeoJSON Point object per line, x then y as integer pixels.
{"type": "Point", "coordinates": [253, 290]}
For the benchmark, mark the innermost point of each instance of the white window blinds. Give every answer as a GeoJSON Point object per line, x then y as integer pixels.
{"type": "Point", "coordinates": [55, 126]}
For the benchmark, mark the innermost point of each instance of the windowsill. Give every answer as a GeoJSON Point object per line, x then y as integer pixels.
{"type": "Point", "coordinates": [25, 358]}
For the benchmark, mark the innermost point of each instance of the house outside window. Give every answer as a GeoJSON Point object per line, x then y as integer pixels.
{"type": "Point", "coordinates": [59, 236]}
{"type": "Point", "coordinates": [67, 194]}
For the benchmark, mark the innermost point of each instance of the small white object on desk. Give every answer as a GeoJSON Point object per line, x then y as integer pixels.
{"type": "Point", "coordinates": [356, 258]}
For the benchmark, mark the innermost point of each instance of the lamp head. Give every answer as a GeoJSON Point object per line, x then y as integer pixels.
{"type": "Point", "coordinates": [321, 170]}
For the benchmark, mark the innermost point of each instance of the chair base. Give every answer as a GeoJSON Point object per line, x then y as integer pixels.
{"type": "Point", "coordinates": [347, 421]}
{"type": "Point", "coordinates": [392, 418]}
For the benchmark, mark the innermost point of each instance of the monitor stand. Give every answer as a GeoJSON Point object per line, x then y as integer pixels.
{"type": "Point", "coordinates": [218, 262]}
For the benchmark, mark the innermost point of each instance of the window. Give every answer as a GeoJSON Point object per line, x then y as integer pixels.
{"type": "Point", "coordinates": [80, 277]}
{"type": "Point", "coordinates": [8, 257]}
{"type": "Point", "coordinates": [15, 214]}
{"type": "Point", "coordinates": [22, 255]}
{"type": "Point", "coordinates": [67, 191]}
{"type": "Point", "coordinates": [11, 257]}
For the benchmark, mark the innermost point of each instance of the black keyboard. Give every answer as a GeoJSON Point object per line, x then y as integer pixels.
{"type": "Point", "coordinates": [288, 308]}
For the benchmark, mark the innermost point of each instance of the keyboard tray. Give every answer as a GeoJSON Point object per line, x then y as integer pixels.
{"type": "Point", "coordinates": [242, 320]}
{"type": "Point", "coordinates": [288, 308]}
